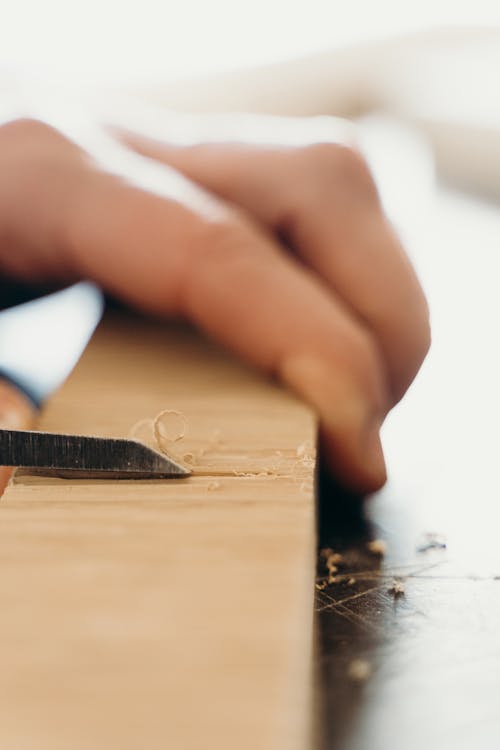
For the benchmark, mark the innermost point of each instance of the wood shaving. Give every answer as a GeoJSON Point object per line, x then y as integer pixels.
{"type": "Point", "coordinates": [377, 547]}
{"type": "Point", "coordinates": [332, 562]}
{"type": "Point", "coordinates": [143, 431]}
{"type": "Point", "coordinates": [359, 670]}
{"type": "Point", "coordinates": [351, 581]}
{"type": "Point", "coordinates": [189, 458]}
{"type": "Point", "coordinates": [213, 486]}
{"type": "Point", "coordinates": [169, 427]}
{"type": "Point", "coordinates": [306, 456]}
{"type": "Point", "coordinates": [325, 552]}
{"type": "Point", "coordinates": [334, 558]}
{"type": "Point", "coordinates": [321, 585]}
{"type": "Point", "coordinates": [254, 474]}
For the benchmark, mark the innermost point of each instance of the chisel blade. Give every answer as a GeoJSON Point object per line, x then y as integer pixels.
{"type": "Point", "coordinates": [85, 456]}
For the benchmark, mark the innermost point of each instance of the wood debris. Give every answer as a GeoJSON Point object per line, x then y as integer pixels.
{"type": "Point", "coordinates": [377, 547]}
{"type": "Point", "coordinates": [359, 670]}
{"type": "Point", "coordinates": [321, 585]}
{"type": "Point", "coordinates": [169, 427]}
{"type": "Point", "coordinates": [396, 588]}
{"type": "Point", "coordinates": [333, 560]}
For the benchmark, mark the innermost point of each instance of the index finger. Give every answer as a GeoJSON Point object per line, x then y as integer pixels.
{"type": "Point", "coordinates": [233, 280]}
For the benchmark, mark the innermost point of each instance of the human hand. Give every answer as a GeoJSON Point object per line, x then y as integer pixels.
{"type": "Point", "coordinates": [282, 254]}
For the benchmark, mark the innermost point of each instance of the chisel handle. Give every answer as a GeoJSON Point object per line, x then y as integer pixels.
{"type": "Point", "coordinates": [17, 412]}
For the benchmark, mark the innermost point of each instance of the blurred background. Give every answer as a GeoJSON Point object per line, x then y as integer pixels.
{"type": "Point", "coordinates": [128, 41]}
{"type": "Point", "coordinates": [420, 83]}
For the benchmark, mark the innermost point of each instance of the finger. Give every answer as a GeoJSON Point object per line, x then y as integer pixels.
{"type": "Point", "coordinates": [233, 280]}
{"type": "Point", "coordinates": [322, 200]}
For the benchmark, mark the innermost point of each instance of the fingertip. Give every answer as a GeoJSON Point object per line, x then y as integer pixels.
{"type": "Point", "coordinates": [350, 421]}
{"type": "Point", "coordinates": [362, 472]}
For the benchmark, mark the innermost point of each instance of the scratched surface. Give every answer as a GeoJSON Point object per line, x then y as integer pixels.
{"type": "Point", "coordinates": [430, 655]}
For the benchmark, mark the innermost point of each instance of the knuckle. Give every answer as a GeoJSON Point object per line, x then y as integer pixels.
{"type": "Point", "coordinates": [219, 238]}
{"type": "Point", "coordinates": [28, 131]}
{"type": "Point", "coordinates": [21, 125]}
{"type": "Point", "coordinates": [342, 168]}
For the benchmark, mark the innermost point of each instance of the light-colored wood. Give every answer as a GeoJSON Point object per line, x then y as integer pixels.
{"type": "Point", "coordinates": [174, 614]}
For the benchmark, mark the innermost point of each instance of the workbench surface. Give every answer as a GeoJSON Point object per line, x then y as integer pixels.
{"type": "Point", "coordinates": [431, 655]}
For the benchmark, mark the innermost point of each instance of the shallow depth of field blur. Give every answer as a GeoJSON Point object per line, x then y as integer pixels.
{"type": "Point", "coordinates": [132, 41]}
{"type": "Point", "coordinates": [420, 79]}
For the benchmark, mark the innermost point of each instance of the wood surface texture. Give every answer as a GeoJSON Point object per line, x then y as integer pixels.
{"type": "Point", "coordinates": [163, 614]}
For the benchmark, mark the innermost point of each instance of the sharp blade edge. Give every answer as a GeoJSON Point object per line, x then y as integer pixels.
{"type": "Point", "coordinates": [116, 457]}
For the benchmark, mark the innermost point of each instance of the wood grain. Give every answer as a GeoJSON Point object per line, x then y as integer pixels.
{"type": "Point", "coordinates": [169, 614]}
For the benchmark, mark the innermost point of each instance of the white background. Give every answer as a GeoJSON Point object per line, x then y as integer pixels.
{"type": "Point", "coordinates": [133, 41]}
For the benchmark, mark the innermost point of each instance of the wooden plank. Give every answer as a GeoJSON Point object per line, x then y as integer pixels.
{"type": "Point", "coordinates": [163, 614]}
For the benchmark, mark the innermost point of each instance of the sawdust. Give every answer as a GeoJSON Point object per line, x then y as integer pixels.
{"type": "Point", "coordinates": [213, 486]}
{"type": "Point", "coordinates": [321, 585]}
{"type": "Point", "coordinates": [333, 561]}
{"type": "Point", "coordinates": [377, 547]}
{"type": "Point", "coordinates": [359, 670]}
{"type": "Point", "coordinates": [305, 458]}
{"type": "Point", "coordinates": [396, 588]}
{"type": "Point", "coordinates": [255, 474]}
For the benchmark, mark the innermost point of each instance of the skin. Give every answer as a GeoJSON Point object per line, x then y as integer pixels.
{"type": "Point", "coordinates": [282, 254]}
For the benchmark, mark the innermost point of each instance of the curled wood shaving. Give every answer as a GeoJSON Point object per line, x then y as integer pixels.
{"type": "Point", "coordinates": [143, 431]}
{"type": "Point", "coordinates": [169, 427]}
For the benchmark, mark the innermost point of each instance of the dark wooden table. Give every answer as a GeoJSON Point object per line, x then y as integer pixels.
{"type": "Point", "coordinates": [426, 670]}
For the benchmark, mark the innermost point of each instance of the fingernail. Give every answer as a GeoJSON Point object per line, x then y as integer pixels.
{"type": "Point", "coordinates": [347, 415]}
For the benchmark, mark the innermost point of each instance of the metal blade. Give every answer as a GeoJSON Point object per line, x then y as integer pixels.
{"type": "Point", "coordinates": [72, 455]}
{"type": "Point", "coordinates": [41, 341]}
